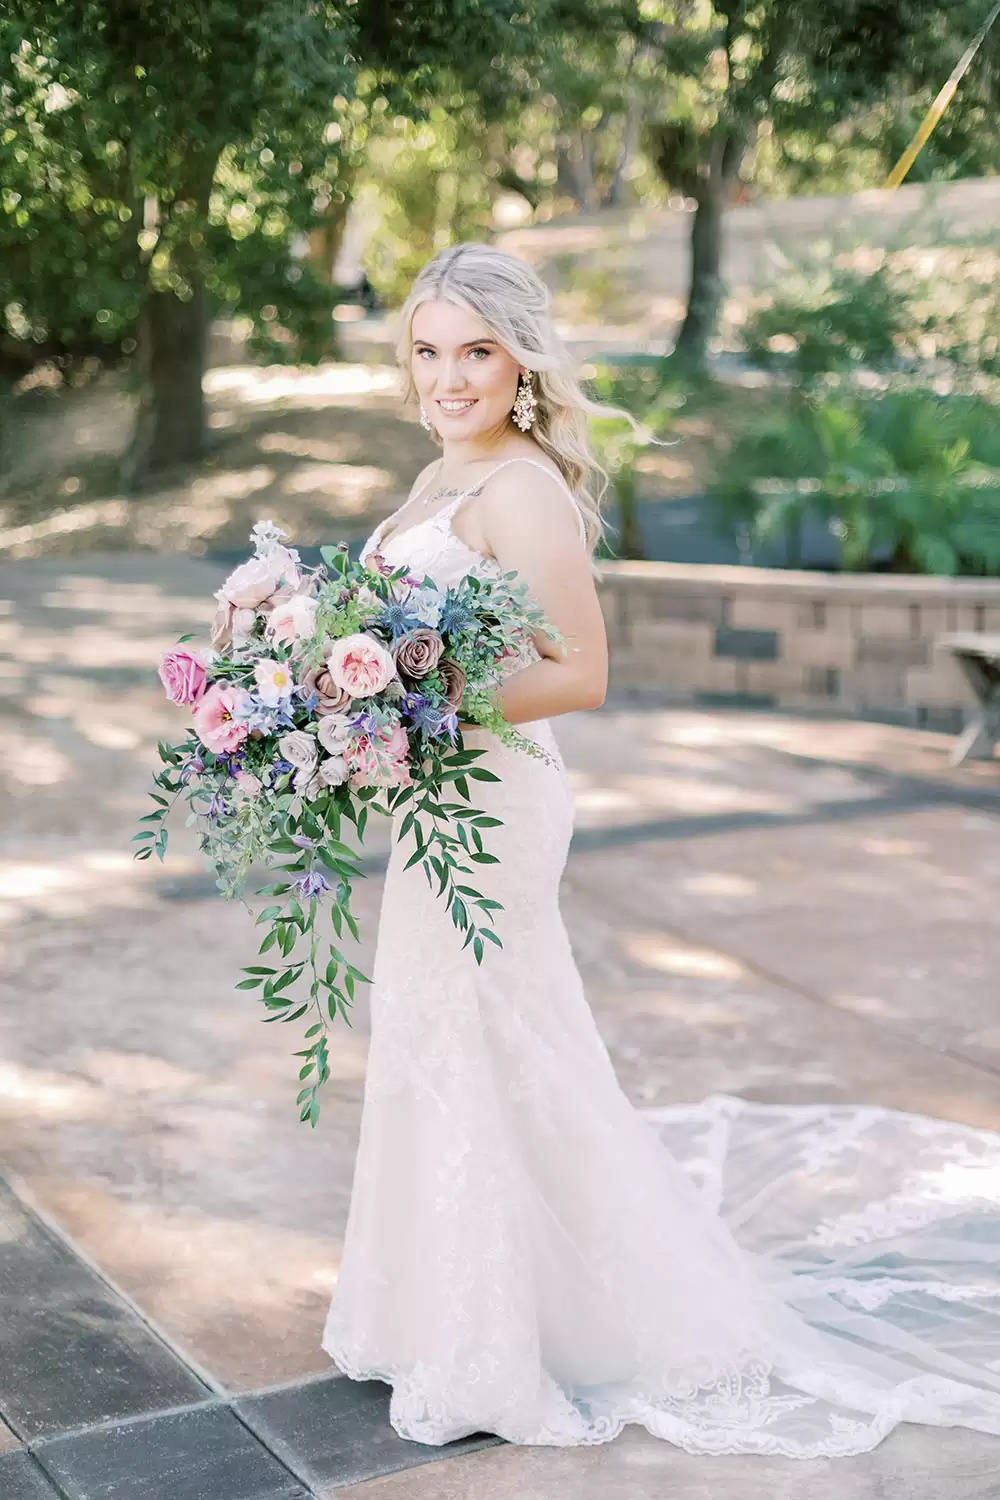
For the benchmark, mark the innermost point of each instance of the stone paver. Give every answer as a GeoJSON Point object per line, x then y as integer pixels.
{"type": "Point", "coordinates": [913, 1463]}
{"type": "Point", "coordinates": [787, 907]}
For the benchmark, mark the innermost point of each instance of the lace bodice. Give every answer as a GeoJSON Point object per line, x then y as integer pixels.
{"type": "Point", "coordinates": [431, 547]}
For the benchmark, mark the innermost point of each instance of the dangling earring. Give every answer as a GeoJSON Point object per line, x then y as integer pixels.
{"type": "Point", "coordinates": [425, 420]}
{"type": "Point", "coordinates": [524, 402]}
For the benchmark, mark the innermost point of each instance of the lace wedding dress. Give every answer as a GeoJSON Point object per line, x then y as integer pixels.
{"type": "Point", "coordinates": [529, 1254]}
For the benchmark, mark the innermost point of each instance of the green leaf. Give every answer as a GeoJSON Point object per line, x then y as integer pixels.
{"type": "Point", "coordinates": [417, 854]}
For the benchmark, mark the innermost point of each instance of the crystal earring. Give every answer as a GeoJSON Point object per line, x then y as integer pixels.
{"type": "Point", "coordinates": [525, 401]}
{"type": "Point", "coordinates": [425, 420]}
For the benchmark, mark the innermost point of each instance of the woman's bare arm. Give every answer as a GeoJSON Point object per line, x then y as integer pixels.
{"type": "Point", "coordinates": [530, 526]}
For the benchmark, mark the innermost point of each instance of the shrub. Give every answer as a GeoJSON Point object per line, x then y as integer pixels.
{"type": "Point", "coordinates": [908, 476]}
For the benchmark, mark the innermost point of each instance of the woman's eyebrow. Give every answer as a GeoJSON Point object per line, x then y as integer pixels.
{"type": "Point", "coordinates": [472, 343]}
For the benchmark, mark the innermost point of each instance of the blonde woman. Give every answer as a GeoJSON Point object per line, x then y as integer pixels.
{"type": "Point", "coordinates": [523, 1254]}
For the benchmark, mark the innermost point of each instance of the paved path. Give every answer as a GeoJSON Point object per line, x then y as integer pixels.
{"type": "Point", "coordinates": [787, 907]}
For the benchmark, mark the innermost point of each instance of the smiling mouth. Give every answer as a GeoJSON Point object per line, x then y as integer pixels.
{"type": "Point", "coordinates": [455, 408]}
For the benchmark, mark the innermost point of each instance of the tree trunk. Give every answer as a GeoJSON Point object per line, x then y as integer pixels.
{"type": "Point", "coordinates": [630, 538]}
{"type": "Point", "coordinates": [619, 193]}
{"type": "Point", "coordinates": [170, 423]}
{"type": "Point", "coordinates": [705, 282]}
{"type": "Point", "coordinates": [327, 236]}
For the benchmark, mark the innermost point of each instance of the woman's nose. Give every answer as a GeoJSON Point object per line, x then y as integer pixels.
{"type": "Point", "coordinates": [451, 374]}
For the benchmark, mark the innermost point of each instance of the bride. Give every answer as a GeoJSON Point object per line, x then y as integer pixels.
{"type": "Point", "coordinates": [526, 1252]}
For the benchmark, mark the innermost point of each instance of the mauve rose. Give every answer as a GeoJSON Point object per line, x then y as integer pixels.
{"type": "Point", "coordinates": [251, 583]}
{"type": "Point", "coordinates": [183, 676]}
{"type": "Point", "coordinates": [334, 732]}
{"type": "Point", "coordinates": [222, 625]}
{"type": "Point", "coordinates": [454, 681]}
{"type": "Point", "coordinates": [299, 749]}
{"type": "Point", "coordinates": [331, 697]}
{"type": "Point", "coordinates": [309, 785]}
{"type": "Point", "coordinates": [360, 664]}
{"type": "Point", "coordinates": [333, 771]}
{"type": "Point", "coordinates": [419, 652]}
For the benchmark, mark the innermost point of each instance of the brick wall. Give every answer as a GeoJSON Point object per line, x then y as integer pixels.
{"type": "Point", "coordinates": [861, 644]}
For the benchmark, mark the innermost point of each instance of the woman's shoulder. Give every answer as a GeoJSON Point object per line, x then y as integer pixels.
{"type": "Point", "coordinates": [523, 486]}
{"type": "Point", "coordinates": [519, 469]}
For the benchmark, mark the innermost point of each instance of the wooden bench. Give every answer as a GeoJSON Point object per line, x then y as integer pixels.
{"type": "Point", "coordinates": [978, 655]}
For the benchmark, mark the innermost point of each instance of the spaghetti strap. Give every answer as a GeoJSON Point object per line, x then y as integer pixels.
{"type": "Point", "coordinates": [558, 478]}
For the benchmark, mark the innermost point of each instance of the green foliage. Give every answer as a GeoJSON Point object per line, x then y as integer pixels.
{"type": "Point", "coordinates": [152, 147]}
{"type": "Point", "coordinates": [648, 387]}
{"type": "Point", "coordinates": [832, 322]}
{"type": "Point", "coordinates": [914, 307]}
{"type": "Point", "coordinates": [907, 476]}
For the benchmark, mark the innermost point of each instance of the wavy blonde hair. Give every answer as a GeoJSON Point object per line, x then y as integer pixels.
{"type": "Point", "coordinates": [515, 303]}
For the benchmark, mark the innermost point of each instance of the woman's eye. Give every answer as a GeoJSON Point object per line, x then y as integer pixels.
{"type": "Point", "coordinates": [483, 352]}
{"type": "Point", "coordinates": [422, 352]}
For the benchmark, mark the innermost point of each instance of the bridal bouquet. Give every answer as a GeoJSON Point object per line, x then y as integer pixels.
{"type": "Point", "coordinates": [327, 693]}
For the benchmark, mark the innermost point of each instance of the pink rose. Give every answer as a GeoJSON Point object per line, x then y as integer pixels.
{"type": "Point", "coordinates": [291, 619]}
{"type": "Point", "coordinates": [251, 583]}
{"type": "Point", "coordinates": [360, 665]}
{"type": "Point", "coordinates": [213, 718]}
{"type": "Point", "coordinates": [183, 676]}
{"type": "Point", "coordinates": [379, 760]}
{"type": "Point", "coordinates": [249, 783]}
{"type": "Point", "coordinates": [395, 740]}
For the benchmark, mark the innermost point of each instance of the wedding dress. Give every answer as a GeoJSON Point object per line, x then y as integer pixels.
{"type": "Point", "coordinates": [529, 1254]}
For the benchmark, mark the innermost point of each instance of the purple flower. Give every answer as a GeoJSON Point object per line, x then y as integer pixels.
{"type": "Point", "coordinates": [217, 808]}
{"type": "Point", "coordinates": [447, 724]}
{"type": "Point", "coordinates": [366, 722]}
{"type": "Point", "coordinates": [192, 767]}
{"type": "Point", "coordinates": [302, 841]}
{"type": "Point", "coordinates": [311, 884]}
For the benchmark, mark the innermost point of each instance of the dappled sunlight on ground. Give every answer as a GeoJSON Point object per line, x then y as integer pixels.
{"type": "Point", "coordinates": [252, 383]}
{"type": "Point", "coordinates": [669, 956]}
{"type": "Point", "coordinates": [753, 904]}
{"type": "Point", "coordinates": [325, 450]}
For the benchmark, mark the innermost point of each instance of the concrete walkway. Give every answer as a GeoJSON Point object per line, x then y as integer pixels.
{"type": "Point", "coordinates": [789, 908]}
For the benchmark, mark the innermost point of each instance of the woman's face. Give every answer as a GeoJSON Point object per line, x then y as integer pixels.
{"type": "Point", "coordinates": [465, 379]}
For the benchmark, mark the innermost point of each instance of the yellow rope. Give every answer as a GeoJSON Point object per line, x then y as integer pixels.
{"type": "Point", "coordinates": [940, 104]}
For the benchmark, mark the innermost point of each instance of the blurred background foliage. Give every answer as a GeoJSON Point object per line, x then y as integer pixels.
{"type": "Point", "coordinates": [163, 171]}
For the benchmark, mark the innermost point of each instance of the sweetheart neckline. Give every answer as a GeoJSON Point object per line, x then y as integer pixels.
{"type": "Point", "coordinates": [378, 541]}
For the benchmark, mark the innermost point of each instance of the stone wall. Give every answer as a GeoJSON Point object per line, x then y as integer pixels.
{"type": "Point", "coordinates": [861, 644]}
